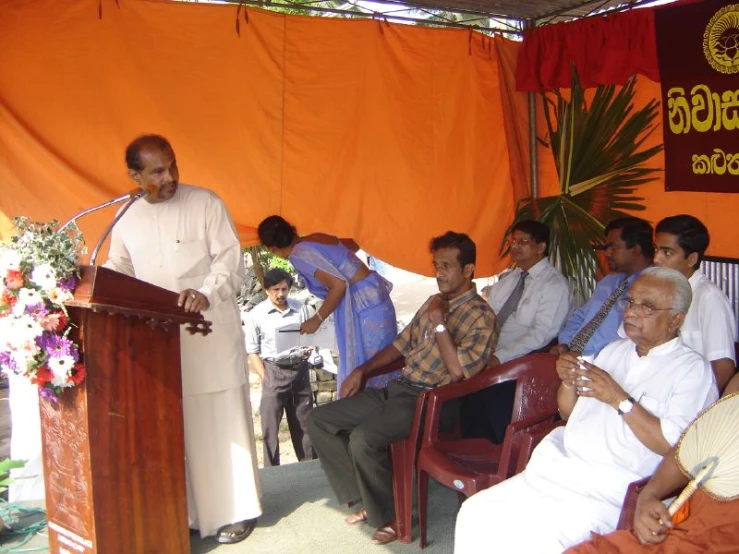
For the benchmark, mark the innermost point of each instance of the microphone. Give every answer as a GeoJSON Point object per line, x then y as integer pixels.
{"type": "Point", "coordinates": [132, 196]}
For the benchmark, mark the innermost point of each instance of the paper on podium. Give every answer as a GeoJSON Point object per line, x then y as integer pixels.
{"type": "Point", "coordinates": [289, 337]}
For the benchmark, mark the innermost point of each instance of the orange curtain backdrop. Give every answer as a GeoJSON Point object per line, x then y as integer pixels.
{"type": "Point", "coordinates": [389, 134]}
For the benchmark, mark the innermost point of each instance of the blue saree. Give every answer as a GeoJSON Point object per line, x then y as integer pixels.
{"type": "Point", "coordinates": [365, 320]}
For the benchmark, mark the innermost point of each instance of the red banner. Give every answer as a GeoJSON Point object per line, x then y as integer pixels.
{"type": "Point", "coordinates": [698, 55]}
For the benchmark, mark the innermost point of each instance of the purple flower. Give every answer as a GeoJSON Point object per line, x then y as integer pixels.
{"type": "Point", "coordinates": [49, 394]}
{"type": "Point", "coordinates": [7, 361]}
{"type": "Point", "coordinates": [56, 347]}
{"type": "Point", "coordinates": [37, 311]}
{"type": "Point", "coordinates": [68, 283]}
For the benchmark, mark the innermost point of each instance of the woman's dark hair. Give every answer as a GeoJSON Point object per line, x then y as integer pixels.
{"type": "Point", "coordinates": [460, 241]}
{"type": "Point", "coordinates": [275, 231]}
{"type": "Point", "coordinates": [275, 276]}
{"type": "Point", "coordinates": [133, 150]}
{"type": "Point", "coordinates": [692, 235]}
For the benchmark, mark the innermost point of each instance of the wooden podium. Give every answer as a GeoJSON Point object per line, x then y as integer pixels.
{"type": "Point", "coordinates": [113, 448]}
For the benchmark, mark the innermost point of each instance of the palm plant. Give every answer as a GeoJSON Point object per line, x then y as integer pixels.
{"type": "Point", "coordinates": [600, 161]}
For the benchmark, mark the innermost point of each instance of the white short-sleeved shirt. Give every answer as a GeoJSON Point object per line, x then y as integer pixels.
{"type": "Point", "coordinates": [709, 327]}
{"type": "Point", "coordinates": [597, 449]}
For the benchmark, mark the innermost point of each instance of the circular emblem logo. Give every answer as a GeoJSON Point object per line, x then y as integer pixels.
{"type": "Point", "coordinates": [721, 40]}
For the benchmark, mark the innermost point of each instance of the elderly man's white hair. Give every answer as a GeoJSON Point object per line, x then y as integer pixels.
{"type": "Point", "coordinates": [682, 293]}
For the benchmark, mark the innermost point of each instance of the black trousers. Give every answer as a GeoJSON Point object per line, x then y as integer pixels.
{"type": "Point", "coordinates": [288, 391]}
{"type": "Point", "coordinates": [351, 437]}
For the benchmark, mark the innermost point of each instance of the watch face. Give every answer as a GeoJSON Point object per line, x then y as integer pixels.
{"type": "Point", "coordinates": [440, 328]}
{"type": "Point", "coordinates": [625, 406]}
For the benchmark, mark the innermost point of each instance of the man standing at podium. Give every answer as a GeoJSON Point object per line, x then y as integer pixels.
{"type": "Point", "coordinates": [182, 238]}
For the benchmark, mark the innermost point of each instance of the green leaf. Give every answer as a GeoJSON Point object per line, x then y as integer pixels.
{"type": "Point", "coordinates": [600, 161]}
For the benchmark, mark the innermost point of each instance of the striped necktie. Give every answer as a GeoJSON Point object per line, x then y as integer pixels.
{"type": "Point", "coordinates": [580, 340]}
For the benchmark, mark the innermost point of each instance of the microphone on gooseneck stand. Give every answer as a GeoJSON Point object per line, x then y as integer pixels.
{"type": "Point", "coordinates": [134, 193]}
{"type": "Point", "coordinates": [132, 197]}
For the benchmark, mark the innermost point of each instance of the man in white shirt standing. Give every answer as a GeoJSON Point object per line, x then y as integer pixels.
{"type": "Point", "coordinates": [624, 412]}
{"type": "Point", "coordinates": [285, 375]}
{"type": "Point", "coordinates": [532, 301]}
{"type": "Point", "coordinates": [181, 238]}
{"type": "Point", "coordinates": [710, 327]}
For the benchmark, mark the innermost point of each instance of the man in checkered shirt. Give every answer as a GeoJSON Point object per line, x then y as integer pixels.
{"type": "Point", "coordinates": [450, 338]}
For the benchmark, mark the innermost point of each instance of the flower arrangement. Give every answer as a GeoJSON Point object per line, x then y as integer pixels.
{"type": "Point", "coordinates": [38, 272]}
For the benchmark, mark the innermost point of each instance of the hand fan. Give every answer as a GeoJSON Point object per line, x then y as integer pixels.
{"type": "Point", "coordinates": [708, 453]}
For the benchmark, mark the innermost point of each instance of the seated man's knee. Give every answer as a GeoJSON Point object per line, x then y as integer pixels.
{"type": "Point", "coordinates": [364, 439]}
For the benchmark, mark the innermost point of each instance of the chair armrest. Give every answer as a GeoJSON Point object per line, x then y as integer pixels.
{"type": "Point", "coordinates": [528, 422]}
{"type": "Point", "coordinates": [626, 519]}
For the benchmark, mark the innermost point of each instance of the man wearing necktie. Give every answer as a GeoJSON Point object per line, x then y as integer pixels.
{"type": "Point", "coordinates": [629, 250]}
{"type": "Point", "coordinates": [530, 302]}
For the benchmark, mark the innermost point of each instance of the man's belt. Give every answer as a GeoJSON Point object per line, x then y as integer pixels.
{"type": "Point", "coordinates": [286, 364]}
{"type": "Point", "coordinates": [409, 383]}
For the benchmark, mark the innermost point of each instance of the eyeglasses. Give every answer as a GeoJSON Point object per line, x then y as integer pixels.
{"type": "Point", "coordinates": [523, 242]}
{"type": "Point", "coordinates": [641, 308]}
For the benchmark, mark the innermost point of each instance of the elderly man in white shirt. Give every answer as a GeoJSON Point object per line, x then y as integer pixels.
{"type": "Point", "coordinates": [624, 412]}
{"type": "Point", "coordinates": [710, 328]}
{"type": "Point", "coordinates": [532, 301]}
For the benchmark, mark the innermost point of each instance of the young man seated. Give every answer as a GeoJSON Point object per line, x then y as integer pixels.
{"type": "Point", "coordinates": [450, 338]}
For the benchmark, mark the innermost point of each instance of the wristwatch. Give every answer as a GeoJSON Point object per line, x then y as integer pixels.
{"type": "Point", "coordinates": [440, 328]}
{"type": "Point", "coordinates": [625, 406]}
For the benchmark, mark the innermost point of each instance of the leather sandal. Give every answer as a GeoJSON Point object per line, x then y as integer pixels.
{"type": "Point", "coordinates": [358, 517]}
{"type": "Point", "coordinates": [384, 535]}
{"type": "Point", "coordinates": [235, 532]}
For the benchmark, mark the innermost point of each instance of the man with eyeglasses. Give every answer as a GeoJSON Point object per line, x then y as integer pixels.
{"type": "Point", "coordinates": [710, 328]}
{"type": "Point", "coordinates": [532, 301]}
{"type": "Point", "coordinates": [629, 250]}
{"type": "Point", "coordinates": [624, 412]}
{"type": "Point", "coordinates": [450, 338]}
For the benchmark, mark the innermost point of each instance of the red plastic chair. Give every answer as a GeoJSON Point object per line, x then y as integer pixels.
{"type": "Point", "coordinates": [471, 465]}
{"type": "Point", "coordinates": [403, 455]}
{"type": "Point", "coordinates": [626, 519]}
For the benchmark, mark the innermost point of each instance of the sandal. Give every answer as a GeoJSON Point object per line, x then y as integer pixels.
{"type": "Point", "coordinates": [235, 532]}
{"type": "Point", "coordinates": [384, 535]}
{"type": "Point", "coordinates": [358, 517]}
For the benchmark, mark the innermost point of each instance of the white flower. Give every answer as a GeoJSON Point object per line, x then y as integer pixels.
{"type": "Point", "coordinates": [21, 332]}
{"type": "Point", "coordinates": [59, 296]}
{"type": "Point", "coordinates": [61, 367]}
{"type": "Point", "coordinates": [9, 260]}
{"type": "Point", "coordinates": [29, 297]}
{"type": "Point", "coordinates": [44, 276]}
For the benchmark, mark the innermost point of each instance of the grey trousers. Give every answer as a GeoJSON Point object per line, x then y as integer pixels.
{"type": "Point", "coordinates": [351, 437]}
{"type": "Point", "coordinates": [288, 391]}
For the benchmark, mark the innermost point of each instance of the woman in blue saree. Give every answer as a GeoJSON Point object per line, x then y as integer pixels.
{"type": "Point", "coordinates": [364, 315]}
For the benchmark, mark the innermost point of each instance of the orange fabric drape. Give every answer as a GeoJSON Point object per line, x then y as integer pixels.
{"type": "Point", "coordinates": [386, 133]}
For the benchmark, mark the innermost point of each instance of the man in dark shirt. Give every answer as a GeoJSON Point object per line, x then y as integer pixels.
{"type": "Point", "coordinates": [450, 338]}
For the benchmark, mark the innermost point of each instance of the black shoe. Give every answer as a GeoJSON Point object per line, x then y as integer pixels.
{"type": "Point", "coordinates": [235, 532]}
